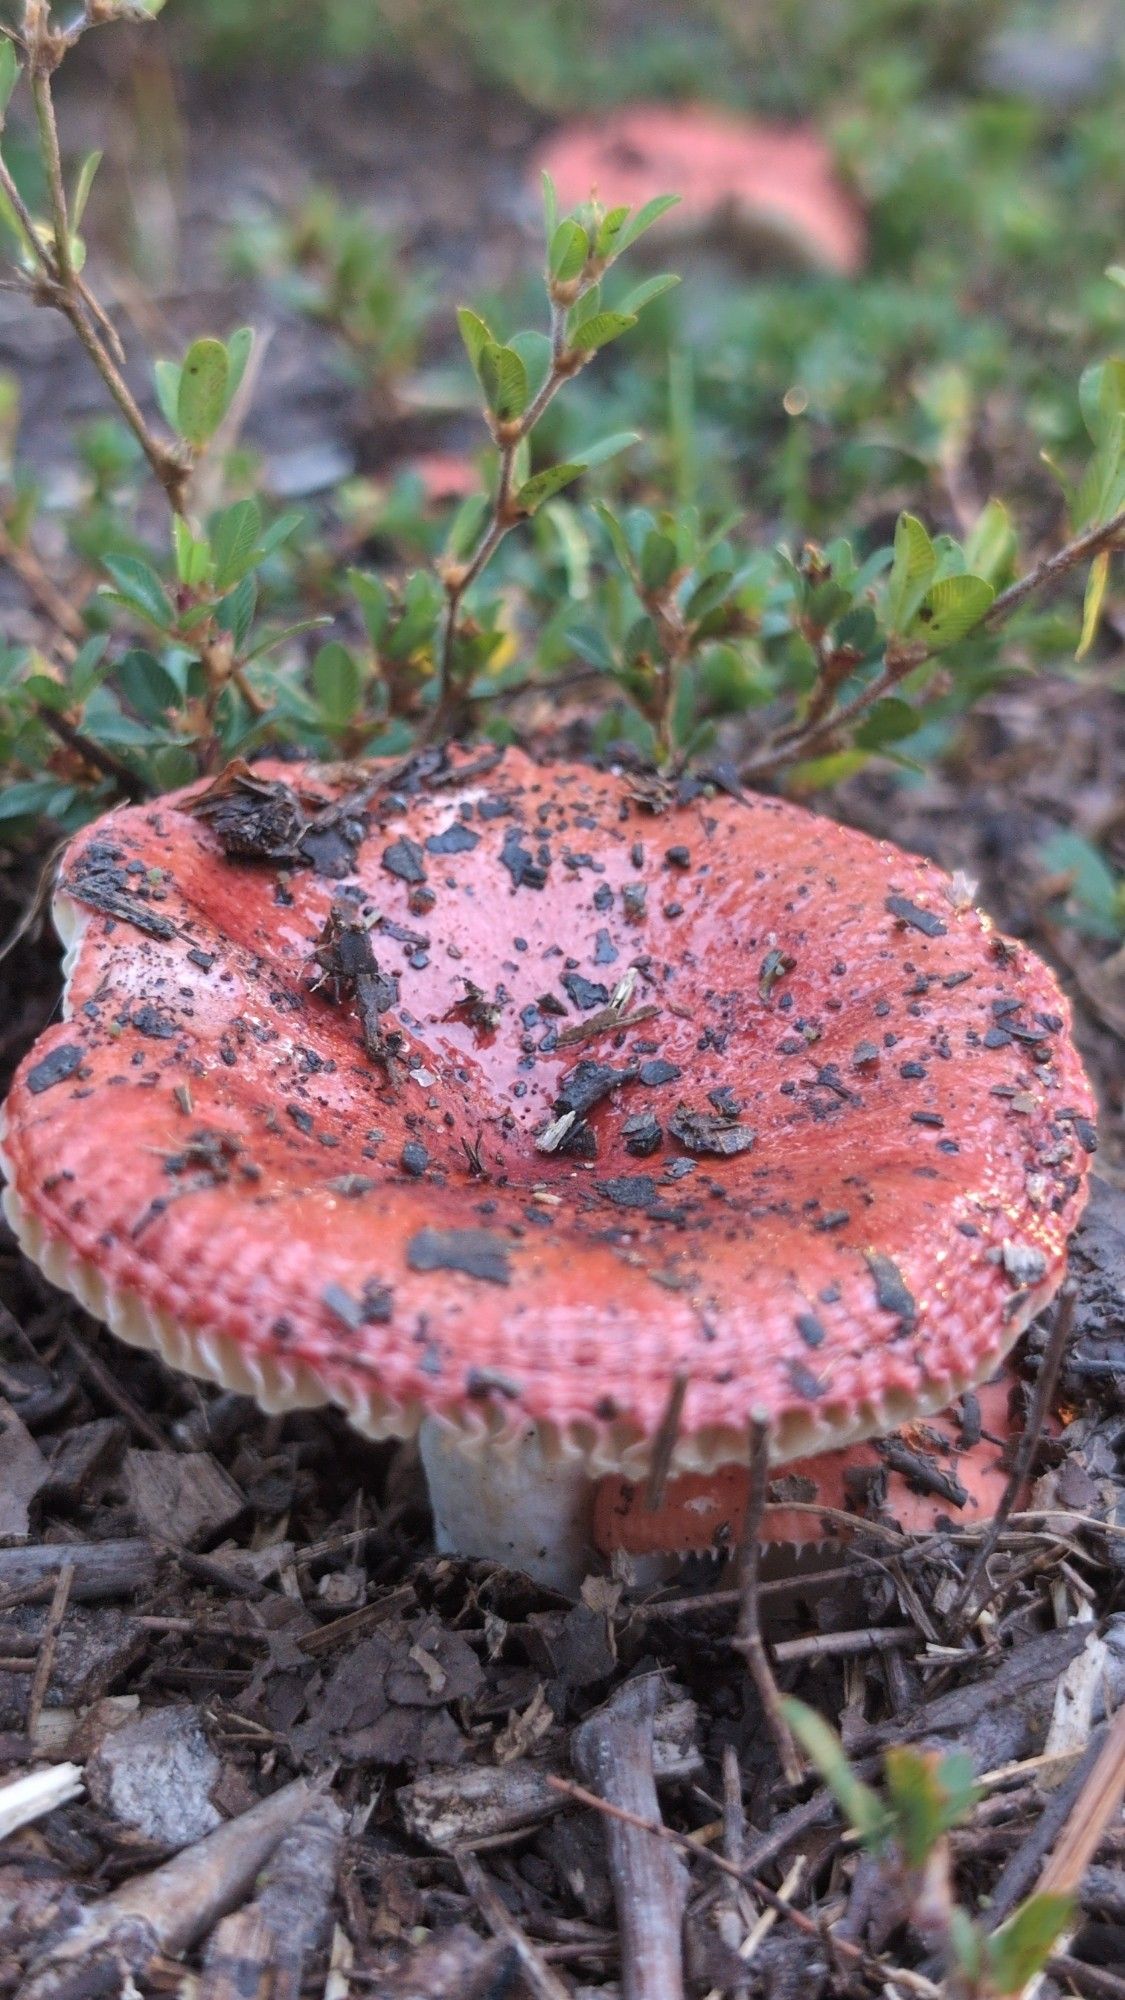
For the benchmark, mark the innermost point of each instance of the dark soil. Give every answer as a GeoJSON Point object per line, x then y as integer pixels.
{"type": "Point", "coordinates": [203, 1606]}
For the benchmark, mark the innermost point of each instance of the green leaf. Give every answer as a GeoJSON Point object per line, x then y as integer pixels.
{"type": "Point", "coordinates": [599, 330]}
{"type": "Point", "coordinates": [860, 1805]}
{"type": "Point", "coordinates": [270, 641]}
{"type": "Point", "coordinates": [1095, 887]}
{"type": "Point", "coordinates": [166, 375]}
{"type": "Point", "coordinates": [643, 295]}
{"type": "Point", "coordinates": [148, 688]}
{"type": "Point", "coordinates": [544, 485]}
{"type": "Point", "coordinates": [503, 378]}
{"type": "Point", "coordinates": [1102, 491]}
{"type": "Point", "coordinates": [202, 399]}
{"type": "Point", "coordinates": [617, 536]}
{"type": "Point", "coordinates": [192, 556]}
{"type": "Point", "coordinates": [550, 205]}
{"type": "Point", "coordinates": [950, 609]}
{"type": "Point", "coordinates": [1022, 1946]}
{"type": "Point", "coordinates": [338, 684]}
{"type": "Point", "coordinates": [644, 219]}
{"type": "Point", "coordinates": [659, 557]}
{"type": "Point", "coordinates": [567, 252]}
{"type": "Point", "coordinates": [1101, 395]}
{"type": "Point", "coordinates": [235, 612]}
{"type": "Point", "coordinates": [279, 531]}
{"type": "Point", "coordinates": [888, 721]}
{"type": "Point", "coordinates": [607, 448]}
{"type": "Point", "coordinates": [1092, 602]}
{"type": "Point", "coordinates": [82, 186]}
{"type": "Point", "coordinates": [609, 229]}
{"type": "Point", "coordinates": [34, 798]}
{"type": "Point", "coordinates": [911, 571]}
{"type": "Point", "coordinates": [240, 346]}
{"type": "Point", "coordinates": [140, 589]}
{"type": "Point", "coordinates": [708, 596]}
{"type": "Point", "coordinates": [467, 525]}
{"type": "Point", "coordinates": [990, 547]}
{"type": "Point", "coordinates": [534, 350]}
{"type": "Point", "coordinates": [475, 334]}
{"type": "Point", "coordinates": [9, 74]}
{"type": "Point", "coordinates": [89, 666]}
{"type": "Point", "coordinates": [234, 541]}
{"type": "Point", "coordinates": [373, 598]}
{"type": "Point", "coordinates": [928, 1794]}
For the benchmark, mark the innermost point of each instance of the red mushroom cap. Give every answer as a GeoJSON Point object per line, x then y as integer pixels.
{"type": "Point", "coordinates": [741, 172]}
{"type": "Point", "coordinates": [840, 1126]}
{"type": "Point", "coordinates": [961, 1477]}
{"type": "Point", "coordinates": [444, 475]}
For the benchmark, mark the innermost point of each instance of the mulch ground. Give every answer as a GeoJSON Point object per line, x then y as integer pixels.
{"type": "Point", "coordinates": [314, 1756]}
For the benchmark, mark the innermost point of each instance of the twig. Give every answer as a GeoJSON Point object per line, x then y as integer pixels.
{"type": "Point", "coordinates": [1094, 1808]}
{"type": "Point", "coordinates": [1020, 1869]}
{"type": "Point", "coordinates": [914, 1982]}
{"type": "Point", "coordinates": [815, 732]}
{"type": "Point", "coordinates": [1092, 1980]}
{"type": "Point", "coordinates": [847, 1645]}
{"type": "Point", "coordinates": [460, 577]}
{"type": "Point", "coordinates": [95, 754]}
{"type": "Point", "coordinates": [57, 282]}
{"type": "Point", "coordinates": [613, 1751]}
{"type": "Point", "coordinates": [25, 564]}
{"type": "Point", "coordinates": [1036, 1417]}
{"type": "Point", "coordinates": [664, 1444]}
{"type": "Point", "coordinates": [106, 1383]}
{"type": "Point", "coordinates": [41, 1678]}
{"type": "Point", "coordinates": [537, 1974]}
{"type": "Point", "coordinates": [748, 1636]}
{"type": "Point", "coordinates": [1044, 573]}
{"type": "Point", "coordinates": [169, 1909]}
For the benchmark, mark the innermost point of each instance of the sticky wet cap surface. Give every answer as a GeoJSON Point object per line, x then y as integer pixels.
{"type": "Point", "coordinates": [515, 1093]}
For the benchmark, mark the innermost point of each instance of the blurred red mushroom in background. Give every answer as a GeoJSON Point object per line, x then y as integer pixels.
{"type": "Point", "coordinates": [737, 177]}
{"type": "Point", "coordinates": [521, 1104]}
{"type": "Point", "coordinates": [444, 475]}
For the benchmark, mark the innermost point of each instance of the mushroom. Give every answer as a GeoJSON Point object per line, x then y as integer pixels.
{"type": "Point", "coordinates": [945, 1469]}
{"type": "Point", "coordinates": [743, 177]}
{"type": "Point", "coordinates": [563, 1115]}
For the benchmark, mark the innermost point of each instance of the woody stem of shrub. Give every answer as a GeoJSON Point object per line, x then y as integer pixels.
{"type": "Point", "coordinates": [459, 577]}
{"type": "Point", "coordinates": [57, 283]}
{"type": "Point", "coordinates": [815, 735]}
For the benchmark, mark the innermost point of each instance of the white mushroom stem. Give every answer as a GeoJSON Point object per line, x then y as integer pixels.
{"type": "Point", "coordinates": [505, 1501]}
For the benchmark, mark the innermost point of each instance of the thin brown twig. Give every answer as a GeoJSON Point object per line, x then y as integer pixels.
{"type": "Point", "coordinates": [41, 1678]}
{"type": "Point", "coordinates": [664, 1444]}
{"type": "Point", "coordinates": [24, 563]}
{"type": "Point", "coordinates": [537, 1974]}
{"type": "Point", "coordinates": [129, 782]}
{"type": "Point", "coordinates": [914, 1982]}
{"type": "Point", "coordinates": [815, 733]}
{"type": "Point", "coordinates": [60, 285]}
{"type": "Point", "coordinates": [748, 1636]}
{"type": "Point", "coordinates": [1021, 1464]}
{"type": "Point", "coordinates": [1082, 549]}
{"type": "Point", "coordinates": [505, 513]}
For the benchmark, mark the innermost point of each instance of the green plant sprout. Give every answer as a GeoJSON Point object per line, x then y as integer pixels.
{"type": "Point", "coordinates": [925, 1797]}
